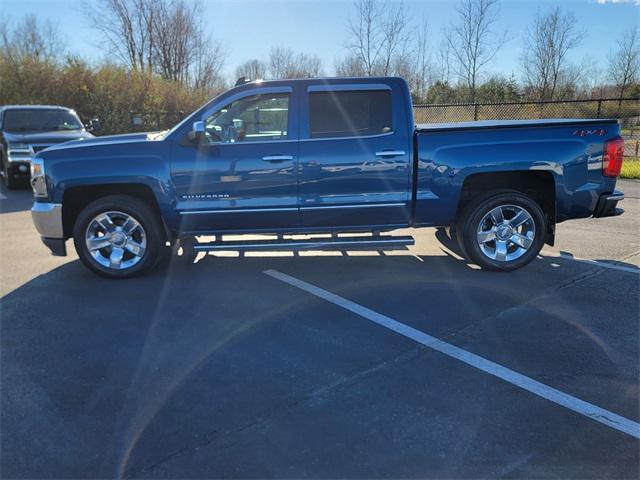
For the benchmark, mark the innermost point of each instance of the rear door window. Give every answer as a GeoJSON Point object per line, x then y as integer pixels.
{"type": "Point", "coordinates": [350, 113]}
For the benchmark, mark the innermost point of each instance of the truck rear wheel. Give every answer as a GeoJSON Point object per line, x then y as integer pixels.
{"type": "Point", "coordinates": [502, 231]}
{"type": "Point", "coordinates": [118, 236]}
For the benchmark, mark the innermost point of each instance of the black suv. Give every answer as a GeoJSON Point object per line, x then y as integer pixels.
{"type": "Point", "coordinates": [27, 129]}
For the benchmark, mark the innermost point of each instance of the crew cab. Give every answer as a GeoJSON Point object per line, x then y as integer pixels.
{"type": "Point", "coordinates": [27, 129]}
{"type": "Point", "coordinates": [332, 156]}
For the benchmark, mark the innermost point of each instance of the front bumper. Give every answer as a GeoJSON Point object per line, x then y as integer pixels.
{"type": "Point", "coordinates": [47, 218]}
{"type": "Point", "coordinates": [607, 205]}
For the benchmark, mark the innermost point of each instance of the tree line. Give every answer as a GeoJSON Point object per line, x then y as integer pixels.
{"type": "Point", "coordinates": [160, 57]}
{"type": "Point", "coordinates": [383, 40]}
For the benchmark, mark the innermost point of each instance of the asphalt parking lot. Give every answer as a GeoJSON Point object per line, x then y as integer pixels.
{"type": "Point", "coordinates": [218, 369]}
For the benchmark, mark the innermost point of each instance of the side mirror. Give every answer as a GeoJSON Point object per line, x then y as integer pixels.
{"type": "Point", "coordinates": [197, 132]}
{"type": "Point", "coordinates": [94, 125]}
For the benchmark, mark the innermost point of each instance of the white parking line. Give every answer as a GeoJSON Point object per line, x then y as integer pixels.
{"type": "Point", "coordinates": [572, 403]}
{"type": "Point", "coordinates": [612, 266]}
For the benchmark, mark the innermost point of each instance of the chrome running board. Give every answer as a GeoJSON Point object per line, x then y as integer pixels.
{"type": "Point", "coordinates": [376, 242]}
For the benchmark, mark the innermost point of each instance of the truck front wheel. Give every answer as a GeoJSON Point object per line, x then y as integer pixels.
{"type": "Point", "coordinates": [502, 231]}
{"type": "Point", "coordinates": [118, 236]}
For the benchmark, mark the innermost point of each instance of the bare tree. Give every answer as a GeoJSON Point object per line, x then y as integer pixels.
{"type": "Point", "coordinates": [545, 61]}
{"type": "Point", "coordinates": [624, 64]}
{"type": "Point", "coordinates": [396, 36]}
{"type": "Point", "coordinates": [349, 66]}
{"type": "Point", "coordinates": [126, 26]}
{"type": "Point", "coordinates": [160, 36]}
{"type": "Point", "coordinates": [590, 78]}
{"type": "Point", "coordinates": [285, 63]}
{"type": "Point", "coordinates": [252, 69]}
{"type": "Point", "coordinates": [443, 62]}
{"type": "Point", "coordinates": [421, 59]}
{"type": "Point", "coordinates": [310, 65]}
{"type": "Point", "coordinates": [173, 37]}
{"type": "Point", "coordinates": [413, 63]}
{"type": "Point", "coordinates": [472, 40]}
{"type": "Point", "coordinates": [182, 51]}
{"type": "Point", "coordinates": [208, 61]}
{"type": "Point", "coordinates": [281, 62]}
{"type": "Point", "coordinates": [406, 68]}
{"type": "Point", "coordinates": [366, 34]}
{"type": "Point", "coordinates": [31, 38]}
{"type": "Point", "coordinates": [380, 35]}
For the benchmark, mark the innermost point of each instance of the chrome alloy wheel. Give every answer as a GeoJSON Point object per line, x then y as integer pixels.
{"type": "Point", "coordinates": [116, 240]}
{"type": "Point", "coordinates": [506, 233]}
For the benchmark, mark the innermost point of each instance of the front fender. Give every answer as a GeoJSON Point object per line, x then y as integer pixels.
{"type": "Point", "coordinates": [148, 166]}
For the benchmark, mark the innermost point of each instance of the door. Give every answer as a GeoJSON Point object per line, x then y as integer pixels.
{"type": "Point", "coordinates": [244, 175]}
{"type": "Point", "coordinates": [355, 155]}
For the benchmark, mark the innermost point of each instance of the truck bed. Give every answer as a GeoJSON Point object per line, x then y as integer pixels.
{"type": "Point", "coordinates": [566, 156]}
{"type": "Point", "coordinates": [553, 122]}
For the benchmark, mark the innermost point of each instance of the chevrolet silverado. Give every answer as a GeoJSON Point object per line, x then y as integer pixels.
{"type": "Point", "coordinates": [331, 156]}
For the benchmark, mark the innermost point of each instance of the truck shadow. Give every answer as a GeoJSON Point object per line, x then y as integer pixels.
{"type": "Point", "coordinates": [99, 360]}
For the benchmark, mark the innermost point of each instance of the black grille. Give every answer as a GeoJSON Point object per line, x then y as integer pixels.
{"type": "Point", "coordinates": [37, 148]}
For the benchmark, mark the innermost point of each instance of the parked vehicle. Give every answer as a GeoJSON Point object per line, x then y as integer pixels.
{"type": "Point", "coordinates": [323, 155]}
{"type": "Point", "coordinates": [27, 129]}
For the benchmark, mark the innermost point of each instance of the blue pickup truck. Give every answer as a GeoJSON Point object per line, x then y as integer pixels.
{"type": "Point", "coordinates": [322, 156]}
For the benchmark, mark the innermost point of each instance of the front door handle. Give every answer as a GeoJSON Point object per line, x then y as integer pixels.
{"type": "Point", "coordinates": [390, 153]}
{"type": "Point", "coordinates": [277, 158]}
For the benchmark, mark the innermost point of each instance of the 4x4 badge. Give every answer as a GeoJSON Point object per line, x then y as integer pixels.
{"type": "Point", "coordinates": [583, 133]}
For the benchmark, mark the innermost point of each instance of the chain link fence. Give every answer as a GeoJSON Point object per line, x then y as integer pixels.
{"type": "Point", "coordinates": [626, 110]}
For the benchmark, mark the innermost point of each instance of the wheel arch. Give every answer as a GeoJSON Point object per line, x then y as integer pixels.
{"type": "Point", "coordinates": [75, 199]}
{"type": "Point", "coordinates": [540, 185]}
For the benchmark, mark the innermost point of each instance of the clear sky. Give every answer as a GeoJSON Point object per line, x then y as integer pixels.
{"type": "Point", "coordinates": [249, 28]}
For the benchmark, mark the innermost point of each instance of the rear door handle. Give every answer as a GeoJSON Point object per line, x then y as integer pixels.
{"type": "Point", "coordinates": [390, 153]}
{"type": "Point", "coordinates": [277, 158]}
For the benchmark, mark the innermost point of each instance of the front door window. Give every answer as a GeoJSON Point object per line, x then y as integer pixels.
{"type": "Point", "coordinates": [261, 118]}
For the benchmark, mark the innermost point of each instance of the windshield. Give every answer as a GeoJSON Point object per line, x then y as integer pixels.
{"type": "Point", "coordinates": [38, 119]}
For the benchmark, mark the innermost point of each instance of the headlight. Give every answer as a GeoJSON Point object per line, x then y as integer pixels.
{"type": "Point", "coordinates": [38, 182]}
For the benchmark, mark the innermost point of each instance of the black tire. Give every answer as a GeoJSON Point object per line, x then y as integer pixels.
{"type": "Point", "coordinates": [142, 213]}
{"type": "Point", "coordinates": [476, 218]}
{"type": "Point", "coordinates": [10, 181]}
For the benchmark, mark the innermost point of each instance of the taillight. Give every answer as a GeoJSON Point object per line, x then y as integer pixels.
{"type": "Point", "coordinates": [613, 155]}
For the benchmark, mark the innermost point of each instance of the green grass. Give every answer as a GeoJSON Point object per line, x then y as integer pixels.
{"type": "Point", "coordinates": [630, 167]}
